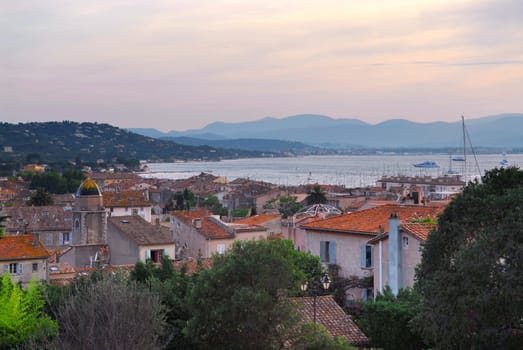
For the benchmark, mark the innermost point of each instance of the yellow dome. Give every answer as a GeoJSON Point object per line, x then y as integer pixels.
{"type": "Point", "coordinates": [88, 188]}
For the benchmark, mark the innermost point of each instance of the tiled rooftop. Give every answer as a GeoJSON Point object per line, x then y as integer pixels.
{"type": "Point", "coordinates": [375, 219]}
{"type": "Point", "coordinates": [38, 218]}
{"type": "Point", "coordinates": [20, 248]}
{"type": "Point", "coordinates": [258, 219]}
{"type": "Point", "coordinates": [140, 231]}
{"type": "Point", "coordinates": [332, 317]}
{"type": "Point", "coordinates": [419, 230]}
{"type": "Point", "coordinates": [125, 199]}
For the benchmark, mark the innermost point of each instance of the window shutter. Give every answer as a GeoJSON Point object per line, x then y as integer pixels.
{"type": "Point", "coordinates": [20, 269]}
{"type": "Point", "coordinates": [364, 294]}
{"type": "Point", "coordinates": [6, 268]}
{"type": "Point", "coordinates": [60, 238]}
{"type": "Point", "coordinates": [371, 256]}
{"type": "Point", "coordinates": [332, 252]}
{"type": "Point", "coordinates": [322, 251]}
{"type": "Point", "coordinates": [147, 255]}
{"type": "Point", "coordinates": [363, 262]}
{"type": "Point", "coordinates": [165, 252]}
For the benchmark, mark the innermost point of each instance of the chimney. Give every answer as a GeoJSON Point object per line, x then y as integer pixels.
{"type": "Point", "coordinates": [36, 239]}
{"type": "Point", "coordinates": [395, 278]}
{"type": "Point", "coordinates": [197, 223]}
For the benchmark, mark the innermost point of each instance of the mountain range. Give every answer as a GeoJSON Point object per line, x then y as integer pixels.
{"type": "Point", "coordinates": [498, 131]}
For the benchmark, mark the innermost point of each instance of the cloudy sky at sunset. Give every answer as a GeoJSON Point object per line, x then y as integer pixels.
{"type": "Point", "coordinates": [176, 65]}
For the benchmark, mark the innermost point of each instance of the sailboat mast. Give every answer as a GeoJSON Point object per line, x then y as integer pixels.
{"type": "Point", "coordinates": [464, 149]}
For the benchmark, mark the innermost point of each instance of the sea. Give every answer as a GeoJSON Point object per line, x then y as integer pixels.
{"type": "Point", "coordinates": [352, 171]}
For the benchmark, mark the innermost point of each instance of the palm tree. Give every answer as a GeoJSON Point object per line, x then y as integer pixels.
{"type": "Point", "coordinates": [316, 196]}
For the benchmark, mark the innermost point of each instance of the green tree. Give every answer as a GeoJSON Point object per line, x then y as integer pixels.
{"type": "Point", "coordinates": [212, 202]}
{"type": "Point", "coordinates": [21, 317]}
{"type": "Point", "coordinates": [386, 320]}
{"type": "Point", "coordinates": [471, 274]}
{"type": "Point", "coordinates": [288, 206]}
{"type": "Point", "coordinates": [240, 302]}
{"type": "Point", "coordinates": [316, 196]}
{"type": "Point", "coordinates": [40, 198]}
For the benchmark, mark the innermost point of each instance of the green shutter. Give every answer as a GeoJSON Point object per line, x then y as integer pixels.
{"type": "Point", "coordinates": [322, 251]}
{"type": "Point", "coordinates": [363, 257]}
{"type": "Point", "coordinates": [332, 252]}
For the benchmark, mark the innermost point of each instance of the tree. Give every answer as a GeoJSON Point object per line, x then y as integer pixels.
{"type": "Point", "coordinates": [214, 204]}
{"type": "Point", "coordinates": [386, 320]}
{"type": "Point", "coordinates": [240, 302]}
{"type": "Point", "coordinates": [471, 274]}
{"type": "Point", "coordinates": [40, 198]}
{"type": "Point", "coordinates": [111, 313]}
{"type": "Point", "coordinates": [316, 196]}
{"type": "Point", "coordinates": [288, 206]}
{"type": "Point", "coordinates": [21, 317]}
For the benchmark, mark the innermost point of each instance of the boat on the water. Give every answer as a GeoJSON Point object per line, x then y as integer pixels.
{"type": "Point", "coordinates": [427, 164]}
{"type": "Point", "coordinates": [504, 161]}
{"type": "Point", "coordinates": [458, 159]}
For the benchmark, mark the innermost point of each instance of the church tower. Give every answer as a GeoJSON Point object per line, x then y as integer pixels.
{"type": "Point", "coordinates": [89, 219]}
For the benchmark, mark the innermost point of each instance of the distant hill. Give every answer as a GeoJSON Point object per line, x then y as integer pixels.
{"type": "Point", "coordinates": [504, 130]}
{"type": "Point", "coordinates": [260, 145]}
{"type": "Point", "coordinates": [57, 141]}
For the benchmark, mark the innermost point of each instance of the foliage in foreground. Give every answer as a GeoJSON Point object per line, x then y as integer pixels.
{"type": "Point", "coordinates": [471, 275]}
{"type": "Point", "coordinates": [21, 317]}
{"type": "Point", "coordinates": [386, 320]}
{"type": "Point", "coordinates": [111, 313]}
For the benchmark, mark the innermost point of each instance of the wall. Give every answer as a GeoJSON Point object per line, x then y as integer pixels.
{"type": "Point", "coordinates": [27, 270]}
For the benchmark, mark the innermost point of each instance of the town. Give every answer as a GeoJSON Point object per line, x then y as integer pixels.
{"type": "Point", "coordinates": [368, 241]}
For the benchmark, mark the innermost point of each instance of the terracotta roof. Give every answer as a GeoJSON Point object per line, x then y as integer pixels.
{"type": "Point", "coordinates": [212, 227]}
{"type": "Point", "coordinates": [140, 231]}
{"type": "Point", "coordinates": [125, 199]}
{"type": "Point", "coordinates": [258, 219]}
{"type": "Point", "coordinates": [39, 218]}
{"type": "Point", "coordinates": [192, 266]}
{"type": "Point", "coordinates": [332, 317]}
{"type": "Point", "coordinates": [419, 230]}
{"type": "Point", "coordinates": [60, 268]}
{"type": "Point", "coordinates": [373, 220]}
{"type": "Point", "coordinates": [21, 248]}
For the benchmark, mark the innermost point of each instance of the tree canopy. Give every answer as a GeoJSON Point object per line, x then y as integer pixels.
{"type": "Point", "coordinates": [240, 303]}
{"type": "Point", "coordinates": [316, 196]}
{"type": "Point", "coordinates": [471, 275]}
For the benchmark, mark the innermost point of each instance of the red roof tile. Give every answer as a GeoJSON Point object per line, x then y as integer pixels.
{"type": "Point", "coordinates": [332, 317]}
{"type": "Point", "coordinates": [125, 199]}
{"type": "Point", "coordinates": [21, 248]}
{"type": "Point", "coordinates": [374, 219]}
{"type": "Point", "coordinates": [419, 230]}
{"type": "Point", "coordinates": [258, 219]}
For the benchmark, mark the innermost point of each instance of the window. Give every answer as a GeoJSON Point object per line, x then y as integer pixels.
{"type": "Point", "coordinates": [405, 240]}
{"type": "Point", "coordinates": [35, 267]}
{"type": "Point", "coordinates": [367, 256]}
{"type": "Point", "coordinates": [135, 211]}
{"type": "Point", "coordinates": [77, 224]}
{"type": "Point", "coordinates": [220, 248]}
{"type": "Point", "coordinates": [14, 268]}
{"type": "Point", "coordinates": [155, 255]}
{"type": "Point", "coordinates": [66, 237]}
{"type": "Point", "coordinates": [126, 209]}
{"type": "Point", "coordinates": [49, 239]}
{"type": "Point", "coordinates": [328, 252]}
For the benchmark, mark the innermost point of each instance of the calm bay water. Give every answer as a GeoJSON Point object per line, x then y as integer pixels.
{"type": "Point", "coordinates": [349, 170]}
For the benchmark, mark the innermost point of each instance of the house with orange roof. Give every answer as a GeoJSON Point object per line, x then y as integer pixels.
{"type": "Point", "coordinates": [123, 203]}
{"type": "Point", "coordinates": [24, 258]}
{"type": "Point", "coordinates": [200, 235]}
{"type": "Point", "coordinates": [272, 222]}
{"type": "Point", "coordinates": [343, 240]}
{"type": "Point", "coordinates": [398, 252]}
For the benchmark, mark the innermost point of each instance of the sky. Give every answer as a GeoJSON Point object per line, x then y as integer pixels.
{"type": "Point", "coordinates": [178, 65]}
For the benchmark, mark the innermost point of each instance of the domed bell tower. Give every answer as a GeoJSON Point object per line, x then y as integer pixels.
{"type": "Point", "coordinates": [89, 218]}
